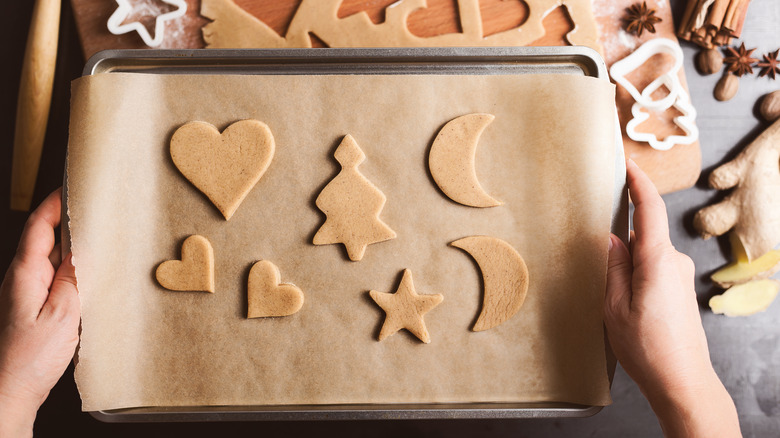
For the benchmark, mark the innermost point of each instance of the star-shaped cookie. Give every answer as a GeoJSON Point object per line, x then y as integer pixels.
{"type": "Point", "coordinates": [405, 309]}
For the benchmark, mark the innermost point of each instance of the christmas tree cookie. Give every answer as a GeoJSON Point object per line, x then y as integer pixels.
{"type": "Point", "coordinates": [352, 205]}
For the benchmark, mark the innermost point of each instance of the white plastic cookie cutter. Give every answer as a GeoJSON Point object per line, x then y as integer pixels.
{"type": "Point", "coordinates": [686, 121]}
{"type": "Point", "coordinates": [670, 79]}
{"type": "Point", "coordinates": [116, 27]}
{"type": "Point", "coordinates": [677, 96]}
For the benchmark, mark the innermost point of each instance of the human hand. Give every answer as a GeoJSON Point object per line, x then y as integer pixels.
{"type": "Point", "coordinates": [653, 323]}
{"type": "Point", "coordinates": [39, 320]}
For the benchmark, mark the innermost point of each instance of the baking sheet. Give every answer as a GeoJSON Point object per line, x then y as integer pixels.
{"type": "Point", "coordinates": [548, 156]}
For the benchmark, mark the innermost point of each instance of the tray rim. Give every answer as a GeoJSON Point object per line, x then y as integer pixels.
{"type": "Point", "coordinates": [506, 60]}
{"type": "Point", "coordinates": [421, 411]}
{"type": "Point", "coordinates": [425, 59]}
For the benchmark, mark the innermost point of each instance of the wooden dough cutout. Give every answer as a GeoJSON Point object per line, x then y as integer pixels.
{"type": "Point", "coordinates": [223, 166]}
{"type": "Point", "coordinates": [268, 296]}
{"type": "Point", "coordinates": [233, 27]}
{"type": "Point", "coordinates": [352, 205]}
{"type": "Point", "coordinates": [504, 275]}
{"type": "Point", "coordinates": [452, 160]}
{"type": "Point", "coordinates": [405, 309]}
{"type": "Point", "coordinates": [194, 272]}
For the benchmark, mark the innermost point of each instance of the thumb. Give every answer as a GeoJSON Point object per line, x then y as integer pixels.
{"type": "Point", "coordinates": [63, 297]}
{"type": "Point", "coordinates": [619, 272]}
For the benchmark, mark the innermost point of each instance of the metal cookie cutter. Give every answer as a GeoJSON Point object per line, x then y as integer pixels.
{"type": "Point", "coordinates": [116, 27]}
{"type": "Point", "coordinates": [686, 122]}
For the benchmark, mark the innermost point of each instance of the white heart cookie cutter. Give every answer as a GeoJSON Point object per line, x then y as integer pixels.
{"type": "Point", "coordinates": [686, 121]}
{"type": "Point", "coordinates": [124, 9]}
{"type": "Point", "coordinates": [670, 79]}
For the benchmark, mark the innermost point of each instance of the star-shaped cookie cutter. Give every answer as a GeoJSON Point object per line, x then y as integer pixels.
{"type": "Point", "coordinates": [124, 9]}
{"type": "Point", "coordinates": [686, 121]}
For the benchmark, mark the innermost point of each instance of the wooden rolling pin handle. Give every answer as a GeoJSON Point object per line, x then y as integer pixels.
{"type": "Point", "coordinates": [32, 110]}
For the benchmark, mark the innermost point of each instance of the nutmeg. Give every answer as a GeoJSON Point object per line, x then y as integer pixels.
{"type": "Point", "coordinates": [770, 106]}
{"type": "Point", "coordinates": [709, 61]}
{"type": "Point", "coordinates": [726, 87]}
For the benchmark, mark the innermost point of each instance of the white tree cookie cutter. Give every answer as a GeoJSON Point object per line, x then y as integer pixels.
{"type": "Point", "coordinates": [677, 96]}
{"type": "Point", "coordinates": [622, 68]}
{"type": "Point", "coordinates": [686, 122]}
{"type": "Point", "coordinates": [124, 9]}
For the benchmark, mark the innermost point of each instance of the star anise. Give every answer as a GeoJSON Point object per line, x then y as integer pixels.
{"type": "Point", "coordinates": [640, 18]}
{"type": "Point", "coordinates": [770, 66]}
{"type": "Point", "coordinates": [739, 60]}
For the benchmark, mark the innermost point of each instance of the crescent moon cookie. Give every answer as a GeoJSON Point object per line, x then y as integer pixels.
{"type": "Point", "coordinates": [452, 160]}
{"type": "Point", "coordinates": [352, 205]}
{"type": "Point", "coordinates": [226, 166]}
{"type": "Point", "coordinates": [405, 309]}
{"type": "Point", "coordinates": [504, 275]}
{"type": "Point", "coordinates": [194, 272]}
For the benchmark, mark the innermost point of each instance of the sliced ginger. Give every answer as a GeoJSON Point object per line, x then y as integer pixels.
{"type": "Point", "coordinates": [743, 270]}
{"type": "Point", "coordinates": [746, 299]}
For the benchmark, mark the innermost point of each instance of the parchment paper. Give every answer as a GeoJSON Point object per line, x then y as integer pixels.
{"type": "Point", "coordinates": [549, 155]}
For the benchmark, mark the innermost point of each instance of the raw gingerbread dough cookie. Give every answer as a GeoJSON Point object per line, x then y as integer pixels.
{"type": "Point", "coordinates": [504, 275]}
{"type": "Point", "coordinates": [268, 296]}
{"type": "Point", "coordinates": [223, 166]}
{"type": "Point", "coordinates": [452, 160]}
{"type": "Point", "coordinates": [194, 272]}
{"type": "Point", "coordinates": [405, 309]}
{"type": "Point", "coordinates": [352, 205]}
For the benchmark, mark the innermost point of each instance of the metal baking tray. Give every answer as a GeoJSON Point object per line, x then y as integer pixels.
{"type": "Point", "coordinates": [428, 61]}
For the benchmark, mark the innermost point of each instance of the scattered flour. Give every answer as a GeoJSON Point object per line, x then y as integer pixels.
{"type": "Point", "coordinates": [609, 15]}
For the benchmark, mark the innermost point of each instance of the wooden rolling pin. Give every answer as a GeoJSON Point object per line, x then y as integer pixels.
{"type": "Point", "coordinates": [32, 110]}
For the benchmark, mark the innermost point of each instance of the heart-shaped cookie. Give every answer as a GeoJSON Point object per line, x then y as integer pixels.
{"type": "Point", "coordinates": [224, 166]}
{"type": "Point", "coordinates": [266, 294]}
{"type": "Point", "coordinates": [195, 270]}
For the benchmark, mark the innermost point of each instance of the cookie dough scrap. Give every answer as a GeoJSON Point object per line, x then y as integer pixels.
{"type": "Point", "coordinates": [194, 272]}
{"type": "Point", "coordinates": [452, 160]}
{"type": "Point", "coordinates": [405, 309]}
{"type": "Point", "coordinates": [233, 27]}
{"type": "Point", "coordinates": [268, 296]}
{"type": "Point", "coordinates": [352, 205]}
{"type": "Point", "coordinates": [504, 274]}
{"type": "Point", "coordinates": [226, 166]}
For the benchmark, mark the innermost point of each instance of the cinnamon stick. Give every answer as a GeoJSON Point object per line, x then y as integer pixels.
{"type": "Point", "coordinates": [717, 13]}
{"type": "Point", "coordinates": [685, 27]}
{"type": "Point", "coordinates": [738, 20]}
{"type": "Point", "coordinates": [712, 22]}
{"type": "Point", "coordinates": [701, 16]}
{"type": "Point", "coordinates": [730, 12]}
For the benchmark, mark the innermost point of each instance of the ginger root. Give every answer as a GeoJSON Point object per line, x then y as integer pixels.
{"type": "Point", "coordinates": [753, 208]}
{"type": "Point", "coordinates": [746, 299]}
{"type": "Point", "coordinates": [742, 270]}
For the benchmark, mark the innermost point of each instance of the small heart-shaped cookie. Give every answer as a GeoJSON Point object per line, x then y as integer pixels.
{"type": "Point", "coordinates": [195, 270]}
{"type": "Point", "coordinates": [267, 296]}
{"type": "Point", "coordinates": [224, 166]}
